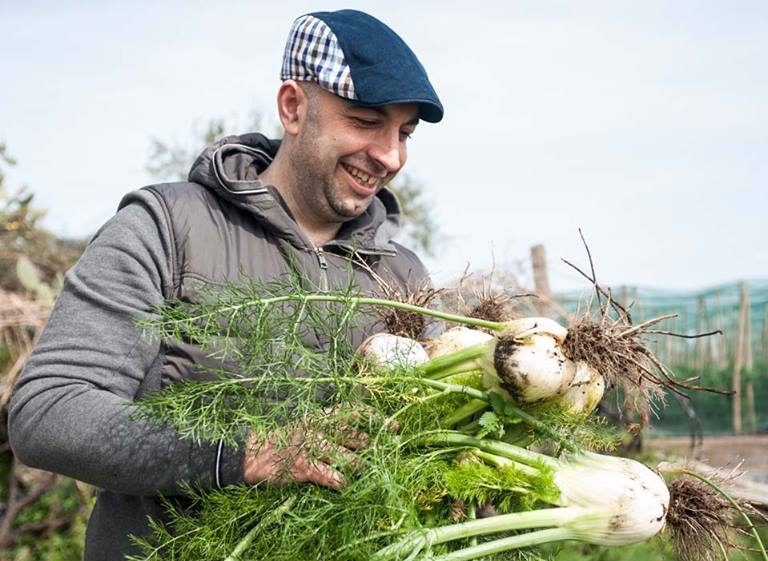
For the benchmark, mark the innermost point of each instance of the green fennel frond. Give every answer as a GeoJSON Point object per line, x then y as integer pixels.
{"type": "Point", "coordinates": [276, 354]}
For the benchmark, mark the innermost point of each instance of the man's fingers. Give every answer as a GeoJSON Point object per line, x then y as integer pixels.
{"type": "Point", "coordinates": [339, 456]}
{"type": "Point", "coordinates": [352, 439]}
{"type": "Point", "coordinates": [317, 472]}
{"type": "Point", "coordinates": [313, 460]}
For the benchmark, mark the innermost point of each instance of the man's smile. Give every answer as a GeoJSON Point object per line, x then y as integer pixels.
{"type": "Point", "coordinates": [366, 181]}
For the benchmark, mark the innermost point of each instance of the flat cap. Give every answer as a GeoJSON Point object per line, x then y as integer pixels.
{"type": "Point", "coordinates": [355, 56]}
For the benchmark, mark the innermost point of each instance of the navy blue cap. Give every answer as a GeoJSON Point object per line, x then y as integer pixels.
{"type": "Point", "coordinates": [357, 57]}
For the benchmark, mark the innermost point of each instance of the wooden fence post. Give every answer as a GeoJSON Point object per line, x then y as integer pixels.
{"type": "Point", "coordinates": [739, 355]}
{"type": "Point", "coordinates": [703, 358]}
{"type": "Point", "coordinates": [746, 341]}
{"type": "Point", "coordinates": [764, 335]}
{"type": "Point", "coordinates": [540, 278]}
{"type": "Point", "coordinates": [721, 342]}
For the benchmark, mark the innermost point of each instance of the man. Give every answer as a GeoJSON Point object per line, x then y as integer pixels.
{"type": "Point", "coordinates": [352, 93]}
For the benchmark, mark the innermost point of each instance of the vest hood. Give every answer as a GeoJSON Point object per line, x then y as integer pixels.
{"type": "Point", "coordinates": [230, 168]}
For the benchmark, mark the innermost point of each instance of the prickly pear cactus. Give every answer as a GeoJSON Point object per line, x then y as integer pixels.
{"type": "Point", "coordinates": [29, 277]}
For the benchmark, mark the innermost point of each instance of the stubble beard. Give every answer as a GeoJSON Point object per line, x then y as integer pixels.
{"type": "Point", "coordinates": [316, 178]}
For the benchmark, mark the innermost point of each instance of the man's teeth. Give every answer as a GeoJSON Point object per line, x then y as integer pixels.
{"type": "Point", "coordinates": [361, 175]}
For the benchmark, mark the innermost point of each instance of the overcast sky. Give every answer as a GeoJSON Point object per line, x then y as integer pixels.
{"type": "Point", "coordinates": [645, 124]}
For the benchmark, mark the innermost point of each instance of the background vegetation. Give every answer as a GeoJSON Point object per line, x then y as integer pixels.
{"type": "Point", "coordinates": [42, 515]}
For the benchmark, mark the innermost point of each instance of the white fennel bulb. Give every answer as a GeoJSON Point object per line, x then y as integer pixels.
{"type": "Point", "coordinates": [585, 390]}
{"type": "Point", "coordinates": [618, 501]}
{"type": "Point", "coordinates": [531, 368]}
{"type": "Point", "coordinates": [392, 351]}
{"type": "Point", "coordinates": [455, 339]}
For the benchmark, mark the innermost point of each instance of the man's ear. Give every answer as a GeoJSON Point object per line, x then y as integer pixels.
{"type": "Point", "coordinates": [291, 106]}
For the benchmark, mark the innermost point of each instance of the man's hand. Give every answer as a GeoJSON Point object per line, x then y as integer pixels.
{"type": "Point", "coordinates": [307, 454]}
{"type": "Point", "coordinates": [300, 460]}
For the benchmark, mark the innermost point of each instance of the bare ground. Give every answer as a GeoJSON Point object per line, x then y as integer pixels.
{"type": "Point", "coordinates": [747, 454]}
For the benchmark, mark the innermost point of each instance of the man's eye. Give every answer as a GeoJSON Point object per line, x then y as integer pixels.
{"type": "Point", "coordinates": [366, 122]}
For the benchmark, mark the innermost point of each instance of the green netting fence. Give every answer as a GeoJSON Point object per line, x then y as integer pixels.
{"type": "Point", "coordinates": [740, 311]}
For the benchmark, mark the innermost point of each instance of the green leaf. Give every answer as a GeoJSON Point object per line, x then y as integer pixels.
{"type": "Point", "coordinates": [492, 425]}
{"type": "Point", "coordinates": [28, 274]}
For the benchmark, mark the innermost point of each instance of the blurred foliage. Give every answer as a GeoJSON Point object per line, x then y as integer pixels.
{"type": "Point", "coordinates": [52, 527]}
{"type": "Point", "coordinates": [22, 236]}
{"type": "Point", "coordinates": [419, 228]}
{"type": "Point", "coordinates": [714, 412]}
{"type": "Point", "coordinates": [171, 160]}
{"type": "Point", "coordinates": [42, 515]}
{"type": "Point", "coordinates": [656, 549]}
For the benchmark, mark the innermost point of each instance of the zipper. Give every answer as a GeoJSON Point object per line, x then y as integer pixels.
{"type": "Point", "coordinates": [376, 251]}
{"type": "Point", "coordinates": [323, 263]}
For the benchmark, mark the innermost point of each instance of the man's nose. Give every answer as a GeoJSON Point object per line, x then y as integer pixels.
{"type": "Point", "coordinates": [389, 151]}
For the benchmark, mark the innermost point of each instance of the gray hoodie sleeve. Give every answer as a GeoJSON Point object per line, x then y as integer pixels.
{"type": "Point", "coordinates": [71, 408]}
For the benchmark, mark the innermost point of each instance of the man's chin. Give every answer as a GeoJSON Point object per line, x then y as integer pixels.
{"type": "Point", "coordinates": [350, 211]}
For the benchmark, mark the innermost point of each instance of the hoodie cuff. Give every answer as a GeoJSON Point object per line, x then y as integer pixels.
{"type": "Point", "coordinates": [228, 469]}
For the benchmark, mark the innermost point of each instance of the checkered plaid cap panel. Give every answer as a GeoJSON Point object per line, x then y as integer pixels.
{"type": "Point", "coordinates": [312, 53]}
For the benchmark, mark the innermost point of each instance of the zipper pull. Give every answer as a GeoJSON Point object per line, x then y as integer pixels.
{"type": "Point", "coordinates": [321, 258]}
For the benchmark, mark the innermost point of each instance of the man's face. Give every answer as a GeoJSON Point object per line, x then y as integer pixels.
{"type": "Point", "coordinates": [345, 153]}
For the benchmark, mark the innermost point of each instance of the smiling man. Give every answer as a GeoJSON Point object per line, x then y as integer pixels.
{"type": "Point", "coordinates": [336, 155]}
{"type": "Point", "coordinates": [352, 93]}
